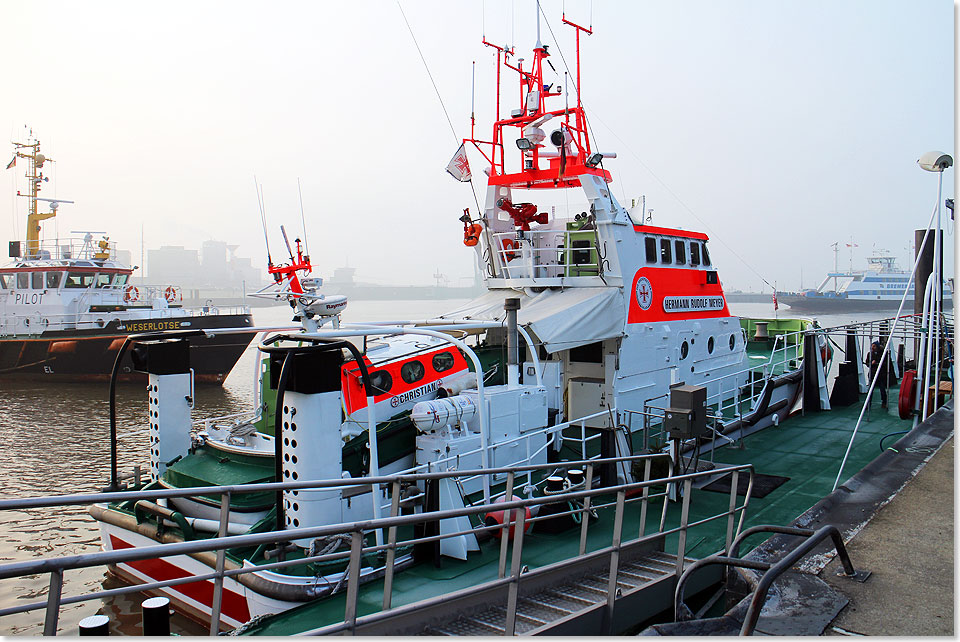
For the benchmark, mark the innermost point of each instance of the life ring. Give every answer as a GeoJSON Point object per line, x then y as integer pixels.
{"type": "Point", "coordinates": [908, 394]}
{"type": "Point", "coordinates": [171, 294]}
{"type": "Point", "coordinates": [509, 249]}
{"type": "Point", "coordinates": [131, 294]}
{"type": "Point", "coordinates": [471, 234]}
{"type": "Point", "coordinates": [494, 518]}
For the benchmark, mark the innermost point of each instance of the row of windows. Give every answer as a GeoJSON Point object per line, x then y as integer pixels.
{"type": "Point", "coordinates": [411, 372]}
{"type": "Point", "coordinates": [675, 253]}
{"type": "Point", "coordinates": [53, 280]}
{"type": "Point", "coordinates": [878, 292]}
{"type": "Point", "coordinates": [685, 347]}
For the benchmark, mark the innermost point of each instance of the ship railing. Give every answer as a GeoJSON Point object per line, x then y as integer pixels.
{"type": "Point", "coordinates": [548, 257]}
{"type": "Point", "coordinates": [555, 438]}
{"type": "Point", "coordinates": [633, 493]}
{"type": "Point", "coordinates": [75, 248]}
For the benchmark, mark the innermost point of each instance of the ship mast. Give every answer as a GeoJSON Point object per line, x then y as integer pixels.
{"type": "Point", "coordinates": [35, 177]}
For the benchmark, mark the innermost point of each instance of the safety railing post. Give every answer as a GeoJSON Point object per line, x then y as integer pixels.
{"type": "Point", "coordinates": [391, 547]}
{"type": "Point", "coordinates": [614, 561]}
{"type": "Point", "coordinates": [684, 520]}
{"type": "Point", "coordinates": [644, 497]}
{"type": "Point", "coordinates": [515, 569]}
{"type": "Point", "coordinates": [504, 530]}
{"type": "Point", "coordinates": [585, 514]}
{"type": "Point", "coordinates": [221, 560]}
{"type": "Point", "coordinates": [53, 602]}
{"type": "Point", "coordinates": [732, 510]}
{"type": "Point", "coordinates": [353, 581]}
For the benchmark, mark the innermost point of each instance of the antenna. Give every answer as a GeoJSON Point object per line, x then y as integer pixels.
{"type": "Point", "coordinates": [539, 46]}
{"type": "Point", "coordinates": [263, 218]}
{"type": "Point", "coordinates": [284, 232]}
{"type": "Point", "coordinates": [303, 221]}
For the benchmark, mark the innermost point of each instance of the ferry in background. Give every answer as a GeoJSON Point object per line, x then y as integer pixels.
{"type": "Point", "coordinates": [67, 305]}
{"type": "Point", "coordinates": [879, 287]}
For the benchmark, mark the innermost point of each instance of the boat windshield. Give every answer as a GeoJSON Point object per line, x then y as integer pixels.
{"type": "Point", "coordinates": [79, 279]}
{"type": "Point", "coordinates": [7, 281]}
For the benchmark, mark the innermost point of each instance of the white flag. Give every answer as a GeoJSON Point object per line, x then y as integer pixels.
{"type": "Point", "coordinates": [458, 166]}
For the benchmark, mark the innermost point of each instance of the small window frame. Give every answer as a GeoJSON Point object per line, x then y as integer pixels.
{"type": "Point", "coordinates": [650, 244]}
{"type": "Point", "coordinates": [680, 251]}
{"type": "Point", "coordinates": [412, 371]}
{"type": "Point", "coordinates": [666, 252]}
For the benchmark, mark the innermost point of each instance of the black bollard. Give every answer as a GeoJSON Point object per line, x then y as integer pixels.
{"type": "Point", "coordinates": [95, 625]}
{"type": "Point", "coordinates": [156, 616]}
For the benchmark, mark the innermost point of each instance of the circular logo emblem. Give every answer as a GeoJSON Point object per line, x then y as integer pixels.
{"type": "Point", "coordinates": [644, 293]}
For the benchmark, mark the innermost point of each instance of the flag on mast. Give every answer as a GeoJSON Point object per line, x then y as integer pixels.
{"type": "Point", "coordinates": [459, 166]}
{"type": "Point", "coordinates": [12, 162]}
{"type": "Point", "coordinates": [775, 305]}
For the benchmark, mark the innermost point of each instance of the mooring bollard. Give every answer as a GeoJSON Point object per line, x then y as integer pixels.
{"type": "Point", "coordinates": [95, 625]}
{"type": "Point", "coordinates": [156, 616]}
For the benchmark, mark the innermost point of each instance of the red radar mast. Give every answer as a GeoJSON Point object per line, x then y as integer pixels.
{"type": "Point", "coordinates": [546, 161]}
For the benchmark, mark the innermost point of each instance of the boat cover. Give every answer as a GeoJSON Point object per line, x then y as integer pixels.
{"type": "Point", "coordinates": [560, 319]}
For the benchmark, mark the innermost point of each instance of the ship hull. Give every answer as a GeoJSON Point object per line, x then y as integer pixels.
{"type": "Point", "coordinates": [840, 305]}
{"type": "Point", "coordinates": [89, 355]}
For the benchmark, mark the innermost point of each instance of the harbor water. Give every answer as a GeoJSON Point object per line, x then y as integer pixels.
{"type": "Point", "coordinates": [56, 441]}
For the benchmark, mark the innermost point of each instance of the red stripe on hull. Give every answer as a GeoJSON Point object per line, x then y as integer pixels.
{"type": "Point", "coordinates": [233, 604]}
{"type": "Point", "coordinates": [673, 282]}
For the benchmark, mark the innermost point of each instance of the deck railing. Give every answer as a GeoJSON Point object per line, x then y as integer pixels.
{"type": "Point", "coordinates": [641, 492]}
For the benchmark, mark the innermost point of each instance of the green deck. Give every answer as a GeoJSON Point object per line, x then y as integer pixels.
{"type": "Point", "coordinates": [806, 448]}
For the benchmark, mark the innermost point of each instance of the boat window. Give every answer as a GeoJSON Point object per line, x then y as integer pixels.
{"type": "Point", "coordinates": [6, 281]}
{"type": "Point", "coordinates": [710, 345]}
{"type": "Point", "coordinates": [733, 341]}
{"type": "Point", "coordinates": [103, 280]}
{"type": "Point", "coordinates": [680, 249]}
{"type": "Point", "coordinates": [412, 371]}
{"type": "Point", "coordinates": [381, 382]}
{"type": "Point", "coordinates": [442, 361]}
{"type": "Point", "coordinates": [53, 279]}
{"type": "Point", "coordinates": [36, 280]}
{"type": "Point", "coordinates": [706, 256]}
{"type": "Point", "coordinates": [651, 249]}
{"type": "Point", "coordinates": [694, 254]}
{"type": "Point", "coordinates": [665, 257]}
{"type": "Point", "coordinates": [79, 280]}
{"type": "Point", "coordinates": [23, 280]}
{"type": "Point", "coordinates": [684, 350]}
{"type": "Point", "coordinates": [121, 280]}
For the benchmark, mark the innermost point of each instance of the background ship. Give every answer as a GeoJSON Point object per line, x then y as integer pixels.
{"type": "Point", "coordinates": [67, 305]}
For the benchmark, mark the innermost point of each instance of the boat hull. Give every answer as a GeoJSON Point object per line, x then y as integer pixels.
{"type": "Point", "coordinates": [89, 355]}
{"type": "Point", "coordinates": [840, 304]}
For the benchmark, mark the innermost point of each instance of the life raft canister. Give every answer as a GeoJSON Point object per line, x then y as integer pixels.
{"type": "Point", "coordinates": [494, 518]}
{"type": "Point", "coordinates": [131, 294]}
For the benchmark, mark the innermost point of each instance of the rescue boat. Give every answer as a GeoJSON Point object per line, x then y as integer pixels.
{"type": "Point", "coordinates": [590, 325]}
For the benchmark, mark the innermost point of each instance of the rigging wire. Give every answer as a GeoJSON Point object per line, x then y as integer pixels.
{"type": "Point", "coordinates": [303, 222]}
{"type": "Point", "coordinates": [439, 98]}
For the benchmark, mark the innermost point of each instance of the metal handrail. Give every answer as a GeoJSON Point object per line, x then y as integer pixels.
{"type": "Point", "coordinates": [56, 566]}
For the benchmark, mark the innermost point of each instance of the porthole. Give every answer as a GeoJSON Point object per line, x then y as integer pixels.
{"type": "Point", "coordinates": [412, 371]}
{"type": "Point", "coordinates": [684, 350]}
{"type": "Point", "coordinates": [710, 345]}
{"type": "Point", "coordinates": [442, 361]}
{"type": "Point", "coordinates": [381, 382]}
{"type": "Point", "coordinates": [733, 341]}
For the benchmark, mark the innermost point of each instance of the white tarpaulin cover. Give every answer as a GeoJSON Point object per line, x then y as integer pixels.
{"type": "Point", "coordinates": [560, 319]}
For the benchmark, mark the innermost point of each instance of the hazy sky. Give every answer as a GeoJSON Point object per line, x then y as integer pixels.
{"type": "Point", "coordinates": [777, 127]}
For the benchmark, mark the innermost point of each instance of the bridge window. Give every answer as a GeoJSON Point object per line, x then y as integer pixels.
{"type": "Point", "coordinates": [665, 255]}
{"type": "Point", "coordinates": [53, 280]}
{"type": "Point", "coordinates": [23, 280]}
{"type": "Point", "coordinates": [121, 280]}
{"type": "Point", "coordinates": [694, 253]}
{"type": "Point", "coordinates": [680, 249]}
{"type": "Point", "coordinates": [412, 371]}
{"type": "Point", "coordinates": [651, 244]}
{"type": "Point", "coordinates": [706, 256]}
{"type": "Point", "coordinates": [103, 280]}
{"type": "Point", "coordinates": [6, 281]}
{"type": "Point", "coordinates": [36, 280]}
{"type": "Point", "coordinates": [79, 279]}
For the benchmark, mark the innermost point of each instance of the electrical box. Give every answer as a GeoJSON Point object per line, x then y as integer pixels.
{"type": "Point", "coordinates": [552, 378]}
{"type": "Point", "coordinates": [14, 249]}
{"type": "Point", "coordinates": [580, 254]}
{"type": "Point", "coordinates": [510, 410]}
{"type": "Point", "coordinates": [687, 415]}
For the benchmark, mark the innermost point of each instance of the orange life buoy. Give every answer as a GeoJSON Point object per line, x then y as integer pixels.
{"type": "Point", "coordinates": [509, 247]}
{"type": "Point", "coordinates": [908, 394]}
{"type": "Point", "coordinates": [471, 234]}
{"type": "Point", "coordinates": [131, 294]}
{"type": "Point", "coordinates": [171, 294]}
{"type": "Point", "coordinates": [497, 517]}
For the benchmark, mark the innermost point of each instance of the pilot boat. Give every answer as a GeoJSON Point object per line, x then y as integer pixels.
{"type": "Point", "coordinates": [66, 305]}
{"type": "Point", "coordinates": [592, 328]}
